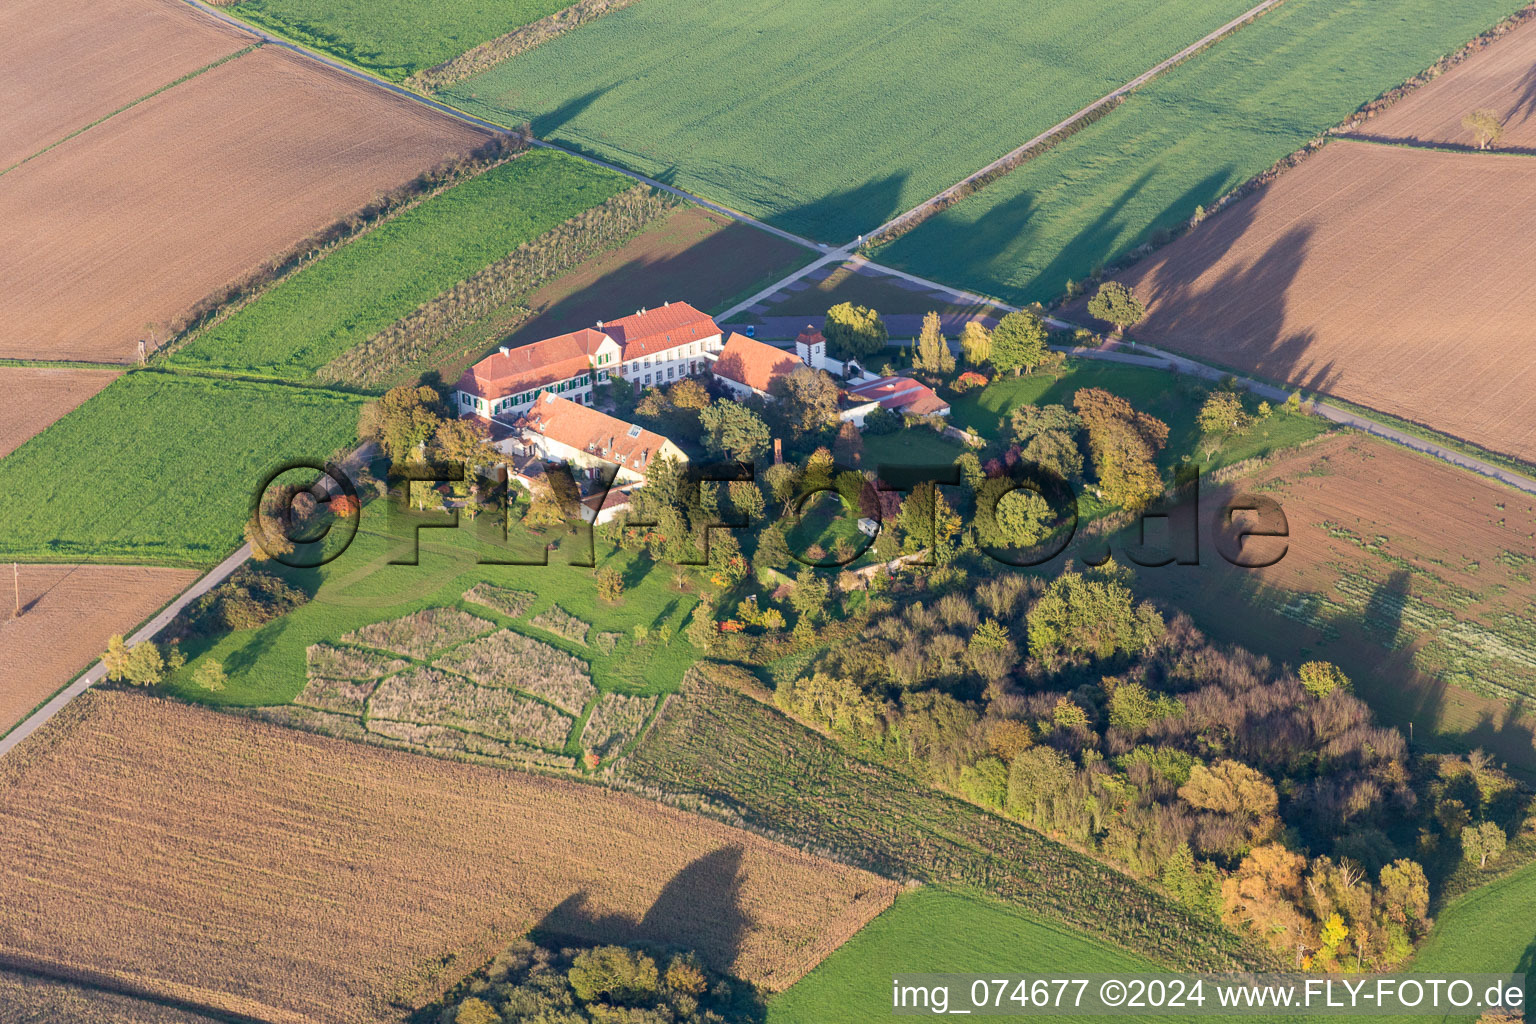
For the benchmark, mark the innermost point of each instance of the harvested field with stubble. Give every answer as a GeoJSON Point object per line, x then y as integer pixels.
{"type": "Point", "coordinates": [153, 210]}
{"type": "Point", "coordinates": [1417, 577]}
{"type": "Point", "coordinates": [1501, 78]}
{"type": "Point", "coordinates": [71, 62]}
{"type": "Point", "coordinates": [37, 396]}
{"type": "Point", "coordinates": [1392, 277]}
{"type": "Point", "coordinates": [68, 613]}
{"type": "Point", "coordinates": [303, 879]}
{"type": "Point", "coordinates": [29, 1000]}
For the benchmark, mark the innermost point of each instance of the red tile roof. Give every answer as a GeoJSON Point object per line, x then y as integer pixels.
{"type": "Point", "coordinates": [593, 432]}
{"type": "Point", "coordinates": [902, 393]}
{"type": "Point", "coordinates": [655, 330]}
{"type": "Point", "coordinates": [753, 363]}
{"type": "Point", "coordinates": [530, 366]}
{"type": "Point", "coordinates": [810, 336]}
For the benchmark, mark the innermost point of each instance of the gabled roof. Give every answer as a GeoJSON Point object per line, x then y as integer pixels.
{"type": "Point", "coordinates": [655, 330]}
{"type": "Point", "coordinates": [596, 433]}
{"type": "Point", "coordinates": [530, 366]}
{"type": "Point", "coordinates": [753, 363]}
{"type": "Point", "coordinates": [902, 393]}
{"type": "Point", "coordinates": [810, 336]}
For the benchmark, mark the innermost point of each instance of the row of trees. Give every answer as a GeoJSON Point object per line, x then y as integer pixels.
{"type": "Point", "coordinates": [1263, 797]}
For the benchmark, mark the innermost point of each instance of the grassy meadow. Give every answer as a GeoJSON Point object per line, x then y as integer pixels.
{"type": "Point", "coordinates": [825, 120]}
{"type": "Point", "coordinates": [364, 286]}
{"type": "Point", "coordinates": [940, 931]}
{"type": "Point", "coordinates": [393, 38]}
{"type": "Point", "coordinates": [266, 665]}
{"type": "Point", "coordinates": [1182, 141]}
{"type": "Point", "coordinates": [161, 468]}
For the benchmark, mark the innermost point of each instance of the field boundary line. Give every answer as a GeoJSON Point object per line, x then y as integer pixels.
{"type": "Point", "coordinates": [36, 967]}
{"type": "Point", "coordinates": [133, 103]}
{"type": "Point", "coordinates": [906, 221]}
{"type": "Point", "coordinates": [480, 122]}
{"type": "Point", "coordinates": [1435, 147]}
{"type": "Point", "coordinates": [97, 672]}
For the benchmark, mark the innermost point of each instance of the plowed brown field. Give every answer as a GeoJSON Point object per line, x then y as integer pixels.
{"type": "Point", "coordinates": [1501, 78]}
{"type": "Point", "coordinates": [69, 612]}
{"type": "Point", "coordinates": [1396, 278]}
{"type": "Point", "coordinates": [302, 878]}
{"type": "Point", "coordinates": [66, 63]}
{"type": "Point", "coordinates": [137, 219]}
{"type": "Point", "coordinates": [35, 397]}
{"type": "Point", "coordinates": [1419, 578]}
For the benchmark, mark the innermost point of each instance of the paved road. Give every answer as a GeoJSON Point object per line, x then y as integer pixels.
{"type": "Point", "coordinates": [97, 672]}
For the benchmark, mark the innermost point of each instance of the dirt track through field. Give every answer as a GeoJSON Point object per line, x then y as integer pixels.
{"type": "Point", "coordinates": [301, 878]}
{"type": "Point", "coordinates": [69, 611]}
{"type": "Point", "coordinates": [137, 219]}
{"type": "Point", "coordinates": [1501, 78]}
{"type": "Point", "coordinates": [1392, 277]}
{"type": "Point", "coordinates": [37, 396]}
{"type": "Point", "coordinates": [67, 63]}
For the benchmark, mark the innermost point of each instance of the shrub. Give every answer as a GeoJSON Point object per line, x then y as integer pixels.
{"type": "Point", "coordinates": [562, 623]}
{"type": "Point", "coordinates": [421, 634]}
{"type": "Point", "coordinates": [613, 973]}
{"type": "Point", "coordinates": [511, 603]}
{"type": "Point", "coordinates": [610, 585]}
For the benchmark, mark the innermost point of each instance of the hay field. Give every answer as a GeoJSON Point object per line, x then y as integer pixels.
{"type": "Point", "coordinates": [25, 999]}
{"type": "Point", "coordinates": [156, 208]}
{"type": "Point", "coordinates": [1392, 277]}
{"type": "Point", "coordinates": [70, 62]}
{"type": "Point", "coordinates": [1417, 577]}
{"type": "Point", "coordinates": [1501, 78]}
{"type": "Point", "coordinates": [69, 612]}
{"type": "Point", "coordinates": [38, 396]}
{"type": "Point", "coordinates": [304, 878]}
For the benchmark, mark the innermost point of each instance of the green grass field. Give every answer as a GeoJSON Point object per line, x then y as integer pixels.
{"type": "Point", "coordinates": [1184, 140]}
{"type": "Point", "coordinates": [363, 287]}
{"type": "Point", "coordinates": [393, 38]}
{"type": "Point", "coordinates": [828, 120]}
{"type": "Point", "coordinates": [267, 665]}
{"type": "Point", "coordinates": [160, 468]}
{"type": "Point", "coordinates": [938, 931]}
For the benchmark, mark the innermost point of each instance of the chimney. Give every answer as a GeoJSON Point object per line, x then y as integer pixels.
{"type": "Point", "coordinates": [667, 303]}
{"type": "Point", "coordinates": [505, 351]}
{"type": "Point", "coordinates": [599, 325]}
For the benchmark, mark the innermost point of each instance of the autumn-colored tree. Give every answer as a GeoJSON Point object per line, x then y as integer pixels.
{"type": "Point", "coordinates": [688, 393]}
{"type": "Point", "coordinates": [833, 703]}
{"type": "Point", "coordinates": [210, 676]}
{"type": "Point", "coordinates": [1124, 444]}
{"type": "Point", "coordinates": [1482, 843]}
{"type": "Point", "coordinates": [1264, 893]}
{"type": "Point", "coordinates": [1219, 418]}
{"type": "Point", "coordinates": [139, 665]}
{"type": "Point", "coordinates": [976, 343]}
{"type": "Point", "coordinates": [806, 399]}
{"type": "Point", "coordinates": [401, 421]}
{"type": "Point", "coordinates": [610, 585]}
{"type": "Point", "coordinates": [1486, 127]}
{"type": "Point", "coordinates": [1320, 678]}
{"type": "Point", "coordinates": [465, 442]}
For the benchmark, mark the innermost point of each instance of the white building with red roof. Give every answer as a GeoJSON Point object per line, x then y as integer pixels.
{"type": "Point", "coordinates": [900, 395]}
{"type": "Point", "coordinates": [557, 429]}
{"type": "Point", "coordinates": [748, 367]}
{"type": "Point", "coordinates": [649, 348]}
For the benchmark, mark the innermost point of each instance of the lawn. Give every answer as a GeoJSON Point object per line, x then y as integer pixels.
{"type": "Point", "coordinates": [911, 446]}
{"type": "Point", "coordinates": [363, 287]}
{"type": "Point", "coordinates": [828, 120]}
{"type": "Point", "coordinates": [161, 468]}
{"type": "Point", "coordinates": [392, 38]}
{"type": "Point", "coordinates": [1174, 400]}
{"type": "Point", "coordinates": [267, 665]}
{"type": "Point", "coordinates": [941, 932]}
{"type": "Point", "coordinates": [1183, 141]}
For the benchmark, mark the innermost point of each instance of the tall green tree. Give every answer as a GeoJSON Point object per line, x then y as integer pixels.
{"type": "Point", "coordinates": [1116, 304]}
{"type": "Point", "coordinates": [854, 332]}
{"type": "Point", "coordinates": [1019, 342]}
{"type": "Point", "coordinates": [402, 420]}
{"type": "Point", "coordinates": [733, 430]}
{"type": "Point", "coordinates": [933, 354]}
{"type": "Point", "coordinates": [806, 399]}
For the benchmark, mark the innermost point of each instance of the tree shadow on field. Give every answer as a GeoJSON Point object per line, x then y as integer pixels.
{"type": "Point", "coordinates": [546, 125]}
{"type": "Point", "coordinates": [826, 219]}
{"type": "Point", "coordinates": [698, 909]}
